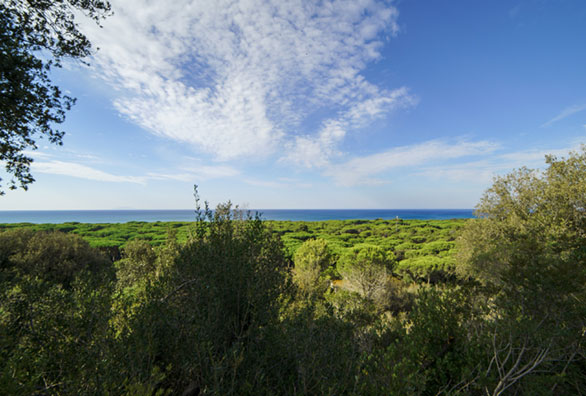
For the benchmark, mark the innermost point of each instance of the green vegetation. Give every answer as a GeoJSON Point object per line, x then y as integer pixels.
{"type": "Point", "coordinates": [233, 305]}
{"type": "Point", "coordinates": [312, 259]}
{"type": "Point", "coordinates": [412, 242]}
{"type": "Point", "coordinates": [114, 235]}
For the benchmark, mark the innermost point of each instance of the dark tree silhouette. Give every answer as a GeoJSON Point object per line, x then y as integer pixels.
{"type": "Point", "coordinates": [36, 35]}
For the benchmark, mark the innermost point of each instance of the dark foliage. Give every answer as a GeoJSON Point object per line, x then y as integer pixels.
{"type": "Point", "coordinates": [36, 35]}
{"type": "Point", "coordinates": [220, 310]}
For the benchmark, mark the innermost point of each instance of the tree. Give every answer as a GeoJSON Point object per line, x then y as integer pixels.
{"type": "Point", "coordinates": [55, 299]}
{"type": "Point", "coordinates": [36, 35]}
{"type": "Point", "coordinates": [528, 247]}
{"type": "Point", "coordinates": [205, 315]}
{"type": "Point", "coordinates": [139, 263]}
{"type": "Point", "coordinates": [311, 259]}
{"type": "Point", "coordinates": [531, 228]}
{"type": "Point", "coordinates": [366, 270]}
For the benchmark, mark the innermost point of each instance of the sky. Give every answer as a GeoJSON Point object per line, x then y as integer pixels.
{"type": "Point", "coordinates": [313, 104]}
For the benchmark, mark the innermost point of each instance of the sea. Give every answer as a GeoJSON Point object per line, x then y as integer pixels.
{"type": "Point", "coordinates": [124, 216]}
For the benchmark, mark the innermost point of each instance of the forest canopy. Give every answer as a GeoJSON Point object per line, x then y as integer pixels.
{"type": "Point", "coordinates": [228, 309]}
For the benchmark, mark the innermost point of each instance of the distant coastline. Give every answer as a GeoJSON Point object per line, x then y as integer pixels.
{"type": "Point", "coordinates": [124, 216]}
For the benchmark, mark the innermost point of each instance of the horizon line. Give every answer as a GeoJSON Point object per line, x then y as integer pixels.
{"type": "Point", "coordinates": [239, 208]}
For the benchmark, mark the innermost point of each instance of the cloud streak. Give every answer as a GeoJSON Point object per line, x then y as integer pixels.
{"type": "Point", "coordinates": [196, 174]}
{"type": "Point", "coordinates": [363, 170]}
{"type": "Point", "coordinates": [240, 79]}
{"type": "Point", "coordinates": [317, 151]}
{"type": "Point", "coordinates": [483, 171]}
{"type": "Point", "coordinates": [82, 172]}
{"type": "Point", "coordinates": [565, 113]}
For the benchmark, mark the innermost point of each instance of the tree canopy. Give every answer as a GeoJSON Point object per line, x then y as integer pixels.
{"type": "Point", "coordinates": [532, 224]}
{"type": "Point", "coordinates": [36, 35]}
{"type": "Point", "coordinates": [365, 268]}
{"type": "Point", "coordinates": [311, 260]}
{"type": "Point", "coordinates": [218, 313]}
{"type": "Point", "coordinates": [528, 249]}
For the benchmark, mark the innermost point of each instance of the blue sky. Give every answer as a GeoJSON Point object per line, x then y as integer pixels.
{"type": "Point", "coordinates": [305, 104]}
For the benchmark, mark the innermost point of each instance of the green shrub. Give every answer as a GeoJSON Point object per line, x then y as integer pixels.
{"type": "Point", "coordinates": [55, 296]}
{"type": "Point", "coordinates": [55, 257]}
{"type": "Point", "coordinates": [203, 318]}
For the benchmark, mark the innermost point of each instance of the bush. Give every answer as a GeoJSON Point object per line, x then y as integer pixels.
{"type": "Point", "coordinates": [434, 350]}
{"type": "Point", "coordinates": [205, 316]}
{"type": "Point", "coordinates": [54, 315]}
{"type": "Point", "coordinates": [52, 256]}
{"type": "Point", "coordinates": [309, 353]}
{"type": "Point", "coordinates": [138, 263]}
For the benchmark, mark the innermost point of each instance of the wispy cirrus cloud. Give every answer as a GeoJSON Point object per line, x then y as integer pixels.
{"type": "Point", "coordinates": [36, 154]}
{"type": "Point", "coordinates": [565, 113]}
{"type": "Point", "coordinates": [264, 183]}
{"type": "Point", "coordinates": [317, 150]}
{"type": "Point", "coordinates": [534, 157]}
{"type": "Point", "coordinates": [195, 174]}
{"type": "Point", "coordinates": [484, 170]}
{"type": "Point", "coordinates": [365, 170]}
{"type": "Point", "coordinates": [239, 79]}
{"type": "Point", "coordinates": [281, 183]}
{"type": "Point", "coordinates": [82, 172]}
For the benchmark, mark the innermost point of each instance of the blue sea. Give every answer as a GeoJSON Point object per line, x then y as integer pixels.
{"type": "Point", "coordinates": [124, 216]}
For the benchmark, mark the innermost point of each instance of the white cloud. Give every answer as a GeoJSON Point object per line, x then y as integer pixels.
{"type": "Point", "coordinates": [474, 172]}
{"type": "Point", "coordinates": [36, 154]}
{"type": "Point", "coordinates": [534, 157]}
{"type": "Point", "coordinates": [483, 171]}
{"type": "Point", "coordinates": [317, 151]}
{"type": "Point", "coordinates": [82, 172]}
{"type": "Point", "coordinates": [282, 183]}
{"type": "Point", "coordinates": [239, 78]}
{"type": "Point", "coordinates": [309, 151]}
{"type": "Point", "coordinates": [360, 170]}
{"type": "Point", "coordinates": [196, 174]}
{"type": "Point", "coordinates": [564, 114]}
{"type": "Point", "coordinates": [192, 175]}
{"type": "Point", "coordinates": [265, 183]}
